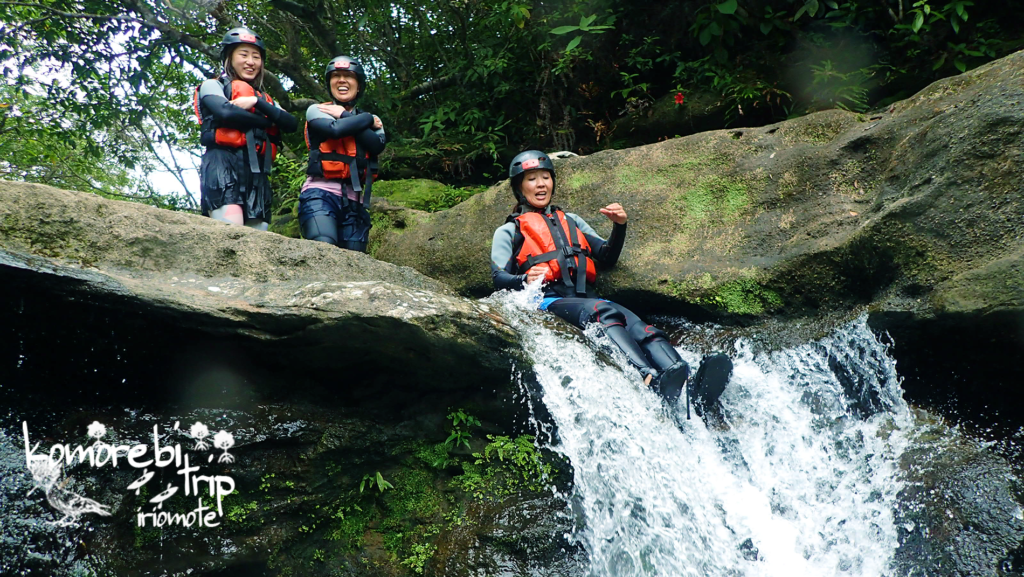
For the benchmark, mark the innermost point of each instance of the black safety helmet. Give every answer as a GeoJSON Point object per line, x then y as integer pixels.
{"type": "Point", "coordinates": [241, 35]}
{"type": "Point", "coordinates": [349, 64]}
{"type": "Point", "coordinates": [528, 160]}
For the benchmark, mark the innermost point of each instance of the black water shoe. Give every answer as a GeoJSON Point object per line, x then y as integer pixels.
{"type": "Point", "coordinates": [710, 381]}
{"type": "Point", "coordinates": [669, 383]}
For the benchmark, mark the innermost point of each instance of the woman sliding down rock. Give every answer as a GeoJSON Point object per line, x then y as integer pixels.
{"type": "Point", "coordinates": [343, 146]}
{"type": "Point", "coordinates": [540, 242]}
{"type": "Point", "coordinates": [241, 129]}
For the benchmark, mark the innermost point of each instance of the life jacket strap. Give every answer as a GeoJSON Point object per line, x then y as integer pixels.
{"type": "Point", "coordinates": [581, 268]}
{"type": "Point", "coordinates": [565, 251]}
{"type": "Point", "coordinates": [250, 145]}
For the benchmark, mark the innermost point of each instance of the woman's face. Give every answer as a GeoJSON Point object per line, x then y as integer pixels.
{"type": "Point", "coordinates": [537, 187]}
{"type": "Point", "coordinates": [247, 62]}
{"type": "Point", "coordinates": [344, 85]}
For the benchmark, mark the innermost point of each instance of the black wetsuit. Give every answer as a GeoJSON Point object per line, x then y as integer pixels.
{"type": "Point", "coordinates": [230, 175]}
{"type": "Point", "coordinates": [338, 215]}
{"type": "Point", "coordinates": [646, 346]}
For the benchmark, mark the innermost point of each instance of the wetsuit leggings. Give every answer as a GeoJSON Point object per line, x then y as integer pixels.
{"type": "Point", "coordinates": [645, 346]}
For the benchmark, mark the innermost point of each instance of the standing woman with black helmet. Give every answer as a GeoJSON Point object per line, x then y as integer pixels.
{"type": "Point", "coordinates": [241, 128]}
{"type": "Point", "coordinates": [540, 242]}
{"type": "Point", "coordinates": [343, 146]}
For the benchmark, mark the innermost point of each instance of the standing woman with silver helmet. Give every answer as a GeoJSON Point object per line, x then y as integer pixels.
{"type": "Point", "coordinates": [343, 146]}
{"type": "Point", "coordinates": [541, 243]}
{"type": "Point", "coordinates": [241, 129]}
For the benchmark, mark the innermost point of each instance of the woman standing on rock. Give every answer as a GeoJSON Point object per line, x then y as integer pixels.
{"type": "Point", "coordinates": [343, 146]}
{"type": "Point", "coordinates": [241, 129]}
{"type": "Point", "coordinates": [541, 243]}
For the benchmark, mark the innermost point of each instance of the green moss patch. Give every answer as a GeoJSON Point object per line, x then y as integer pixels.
{"type": "Point", "coordinates": [713, 201]}
{"type": "Point", "coordinates": [742, 296]}
{"type": "Point", "coordinates": [423, 194]}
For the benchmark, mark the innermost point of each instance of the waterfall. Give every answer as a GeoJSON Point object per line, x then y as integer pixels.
{"type": "Point", "coordinates": [799, 477]}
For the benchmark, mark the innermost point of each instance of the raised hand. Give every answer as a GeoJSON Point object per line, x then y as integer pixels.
{"type": "Point", "coordinates": [615, 213]}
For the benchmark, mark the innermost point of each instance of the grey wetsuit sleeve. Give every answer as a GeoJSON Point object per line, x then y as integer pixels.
{"type": "Point", "coordinates": [502, 266]}
{"type": "Point", "coordinates": [582, 224]}
{"type": "Point", "coordinates": [326, 127]}
{"type": "Point", "coordinates": [211, 96]}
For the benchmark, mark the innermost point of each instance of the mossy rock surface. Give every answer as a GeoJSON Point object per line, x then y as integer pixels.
{"type": "Point", "coordinates": [913, 208]}
{"type": "Point", "coordinates": [416, 193]}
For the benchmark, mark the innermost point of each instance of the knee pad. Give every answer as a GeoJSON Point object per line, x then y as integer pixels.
{"type": "Point", "coordinates": [656, 346]}
{"type": "Point", "coordinates": [606, 314]}
{"type": "Point", "coordinates": [645, 333]}
{"type": "Point", "coordinates": [311, 229]}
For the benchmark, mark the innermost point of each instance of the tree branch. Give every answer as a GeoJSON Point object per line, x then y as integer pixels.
{"type": "Point", "coordinates": [431, 86]}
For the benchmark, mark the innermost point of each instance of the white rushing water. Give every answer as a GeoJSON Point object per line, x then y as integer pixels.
{"type": "Point", "coordinates": [795, 469]}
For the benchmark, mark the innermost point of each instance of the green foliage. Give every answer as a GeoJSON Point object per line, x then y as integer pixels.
{"type": "Point", "coordinates": [435, 455]}
{"type": "Point", "coordinates": [460, 433]}
{"type": "Point", "coordinates": [370, 480]}
{"type": "Point", "coordinates": [348, 525]}
{"type": "Point", "coordinates": [586, 25]}
{"type": "Point", "coordinates": [450, 197]}
{"type": "Point", "coordinates": [43, 144]}
{"type": "Point", "coordinates": [287, 179]}
{"type": "Point", "coordinates": [242, 514]}
{"type": "Point", "coordinates": [461, 87]}
{"type": "Point", "coordinates": [834, 89]}
{"type": "Point", "coordinates": [505, 467]}
{"type": "Point", "coordinates": [420, 554]}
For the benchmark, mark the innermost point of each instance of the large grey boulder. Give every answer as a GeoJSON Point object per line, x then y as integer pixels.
{"type": "Point", "coordinates": [330, 369]}
{"type": "Point", "coordinates": [914, 213]}
{"type": "Point", "coordinates": [914, 208]}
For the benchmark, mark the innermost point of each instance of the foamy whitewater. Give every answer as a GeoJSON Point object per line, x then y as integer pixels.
{"type": "Point", "coordinates": [798, 481]}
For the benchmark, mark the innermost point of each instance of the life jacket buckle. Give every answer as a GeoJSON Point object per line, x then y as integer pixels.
{"type": "Point", "coordinates": [568, 252]}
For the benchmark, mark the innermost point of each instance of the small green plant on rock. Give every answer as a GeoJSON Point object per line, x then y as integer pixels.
{"type": "Point", "coordinates": [370, 480]}
{"type": "Point", "coordinates": [421, 553]}
{"type": "Point", "coordinates": [505, 467]}
{"type": "Point", "coordinates": [240, 514]}
{"type": "Point", "coordinates": [460, 435]}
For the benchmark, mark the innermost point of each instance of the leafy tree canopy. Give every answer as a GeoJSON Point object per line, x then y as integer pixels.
{"type": "Point", "coordinates": [462, 85]}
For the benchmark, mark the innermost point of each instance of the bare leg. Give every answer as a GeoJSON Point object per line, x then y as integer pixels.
{"type": "Point", "coordinates": [229, 213]}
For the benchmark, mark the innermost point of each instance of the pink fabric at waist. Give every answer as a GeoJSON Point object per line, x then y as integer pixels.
{"type": "Point", "coordinates": [335, 187]}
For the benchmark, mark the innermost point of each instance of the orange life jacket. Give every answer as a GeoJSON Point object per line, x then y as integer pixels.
{"type": "Point", "coordinates": [232, 137]}
{"type": "Point", "coordinates": [334, 158]}
{"type": "Point", "coordinates": [562, 251]}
